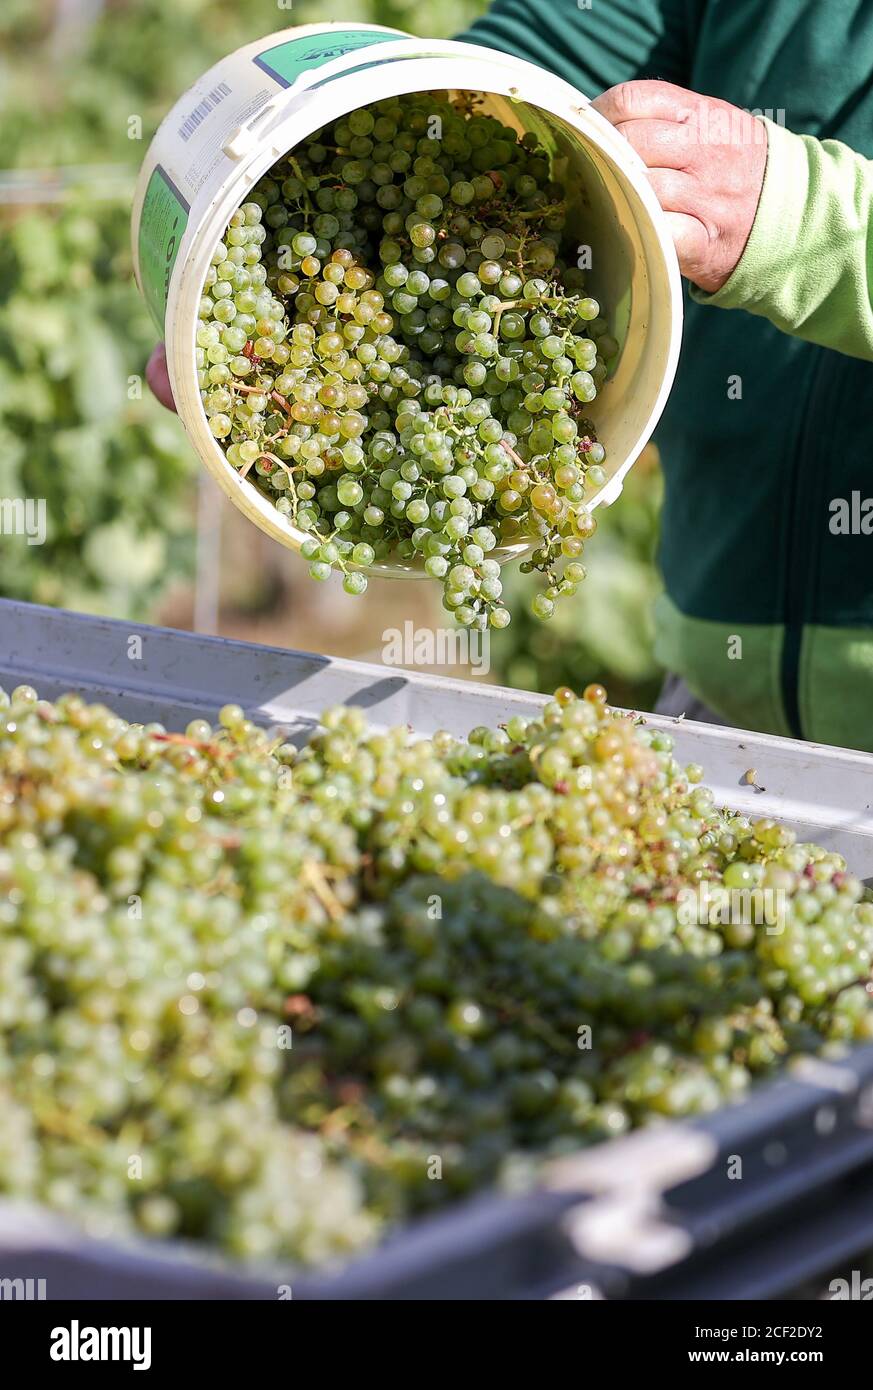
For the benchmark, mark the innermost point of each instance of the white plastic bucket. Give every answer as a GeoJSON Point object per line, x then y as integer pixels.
{"type": "Point", "coordinates": [259, 102]}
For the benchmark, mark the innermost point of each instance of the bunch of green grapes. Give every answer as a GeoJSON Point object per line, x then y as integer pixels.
{"type": "Point", "coordinates": [251, 994]}
{"type": "Point", "coordinates": [394, 349]}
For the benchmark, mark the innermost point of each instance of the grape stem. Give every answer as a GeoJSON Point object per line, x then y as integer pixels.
{"type": "Point", "coordinates": [313, 874]}
{"type": "Point", "coordinates": [182, 739]}
{"type": "Point", "coordinates": [298, 172]}
{"type": "Point", "coordinates": [534, 1022]}
{"type": "Point", "coordinates": [522, 304]}
{"type": "Point", "coordinates": [516, 458]}
{"type": "Point", "coordinates": [274, 458]}
{"type": "Point", "coordinates": [280, 400]}
{"type": "Point", "coordinates": [67, 1126]}
{"type": "Point", "coordinates": [548, 211]}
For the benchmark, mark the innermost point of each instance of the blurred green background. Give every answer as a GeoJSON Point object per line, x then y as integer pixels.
{"type": "Point", "coordinates": [78, 428]}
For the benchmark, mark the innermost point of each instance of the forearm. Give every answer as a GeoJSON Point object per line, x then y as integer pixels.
{"type": "Point", "coordinates": [808, 264]}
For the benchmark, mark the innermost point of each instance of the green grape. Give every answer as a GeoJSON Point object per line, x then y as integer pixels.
{"type": "Point", "coordinates": [542, 606]}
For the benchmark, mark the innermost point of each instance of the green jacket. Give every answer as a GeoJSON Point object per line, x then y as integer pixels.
{"type": "Point", "coordinates": [765, 534]}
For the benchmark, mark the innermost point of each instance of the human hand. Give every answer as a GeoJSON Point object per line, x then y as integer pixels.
{"type": "Point", "coordinates": [705, 161]}
{"type": "Point", "coordinates": [158, 377]}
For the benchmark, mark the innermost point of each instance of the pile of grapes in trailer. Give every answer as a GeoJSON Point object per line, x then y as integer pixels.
{"type": "Point", "coordinates": [291, 980]}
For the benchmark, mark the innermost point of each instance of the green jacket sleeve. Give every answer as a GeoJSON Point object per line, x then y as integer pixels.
{"type": "Point", "coordinates": [613, 41]}
{"type": "Point", "coordinates": [808, 263]}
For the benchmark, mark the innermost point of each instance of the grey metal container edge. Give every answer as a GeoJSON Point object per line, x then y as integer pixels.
{"type": "Point", "coordinates": [825, 793]}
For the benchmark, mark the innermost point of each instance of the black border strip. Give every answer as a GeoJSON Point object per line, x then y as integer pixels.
{"type": "Point", "coordinates": [159, 169]}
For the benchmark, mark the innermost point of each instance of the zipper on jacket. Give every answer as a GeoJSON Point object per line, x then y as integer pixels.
{"type": "Point", "coordinates": [802, 551]}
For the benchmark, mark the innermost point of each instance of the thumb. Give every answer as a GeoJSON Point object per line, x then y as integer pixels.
{"type": "Point", "coordinates": [158, 377]}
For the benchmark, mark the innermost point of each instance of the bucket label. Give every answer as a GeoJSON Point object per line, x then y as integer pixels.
{"type": "Point", "coordinates": [286, 61]}
{"type": "Point", "coordinates": [162, 226]}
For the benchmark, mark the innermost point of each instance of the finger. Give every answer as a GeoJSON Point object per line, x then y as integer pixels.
{"type": "Point", "coordinates": [158, 377]}
{"type": "Point", "coordinates": [675, 190]}
{"type": "Point", "coordinates": [677, 194]}
{"type": "Point", "coordinates": [643, 100]}
{"type": "Point", "coordinates": [660, 144]}
{"type": "Point", "coordinates": [691, 241]}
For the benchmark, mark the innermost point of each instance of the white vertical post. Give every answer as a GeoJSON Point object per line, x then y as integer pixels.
{"type": "Point", "coordinates": [74, 20]}
{"type": "Point", "coordinates": [206, 588]}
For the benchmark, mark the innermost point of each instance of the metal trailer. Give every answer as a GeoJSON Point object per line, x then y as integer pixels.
{"type": "Point", "coordinates": [748, 1202]}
